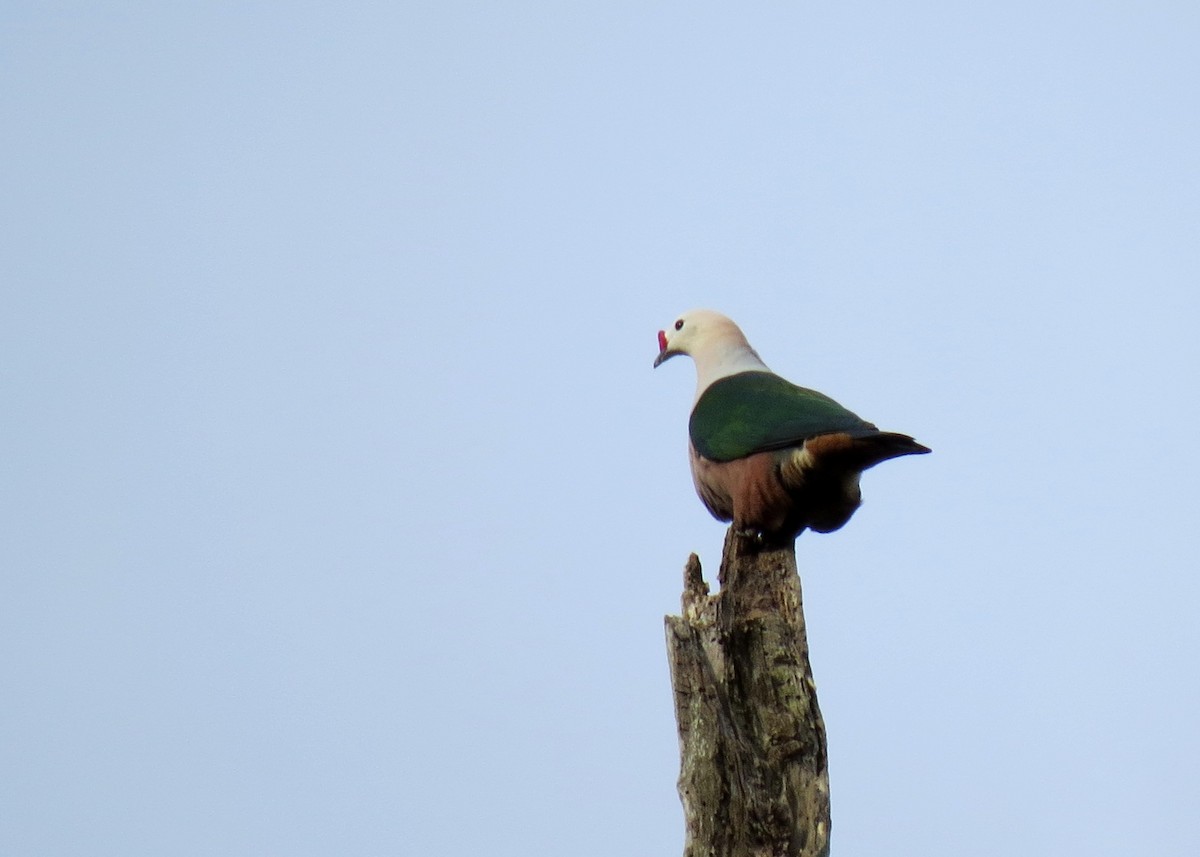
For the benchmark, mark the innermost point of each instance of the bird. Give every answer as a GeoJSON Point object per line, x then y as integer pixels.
{"type": "Point", "coordinates": [773, 458]}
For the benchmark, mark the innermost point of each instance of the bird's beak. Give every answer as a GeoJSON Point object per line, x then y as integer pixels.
{"type": "Point", "coordinates": [664, 353]}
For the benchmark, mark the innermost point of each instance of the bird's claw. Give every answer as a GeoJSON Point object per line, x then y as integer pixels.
{"type": "Point", "coordinates": [755, 537]}
{"type": "Point", "coordinates": [758, 541]}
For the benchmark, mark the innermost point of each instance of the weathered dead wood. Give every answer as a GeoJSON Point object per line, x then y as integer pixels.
{"type": "Point", "coordinates": [753, 779]}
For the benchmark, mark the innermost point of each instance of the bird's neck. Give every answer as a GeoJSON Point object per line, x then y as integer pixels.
{"type": "Point", "coordinates": [719, 362]}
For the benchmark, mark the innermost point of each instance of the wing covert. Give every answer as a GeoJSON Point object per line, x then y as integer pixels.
{"type": "Point", "coordinates": [754, 412]}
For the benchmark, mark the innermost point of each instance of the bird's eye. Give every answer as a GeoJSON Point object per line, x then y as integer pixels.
{"type": "Point", "coordinates": [679, 324]}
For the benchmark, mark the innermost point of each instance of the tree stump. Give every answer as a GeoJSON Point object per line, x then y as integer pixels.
{"type": "Point", "coordinates": [754, 777]}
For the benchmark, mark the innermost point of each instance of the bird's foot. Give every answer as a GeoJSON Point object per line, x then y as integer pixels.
{"type": "Point", "coordinates": [755, 539]}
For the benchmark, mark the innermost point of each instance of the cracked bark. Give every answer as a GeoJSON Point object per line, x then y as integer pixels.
{"type": "Point", "coordinates": [754, 778]}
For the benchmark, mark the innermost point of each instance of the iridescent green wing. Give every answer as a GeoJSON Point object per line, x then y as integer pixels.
{"type": "Point", "coordinates": [758, 411]}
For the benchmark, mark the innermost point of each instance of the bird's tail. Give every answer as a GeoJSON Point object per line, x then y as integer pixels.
{"type": "Point", "coordinates": [886, 444]}
{"type": "Point", "coordinates": [845, 452]}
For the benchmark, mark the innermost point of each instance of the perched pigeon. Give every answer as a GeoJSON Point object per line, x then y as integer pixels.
{"type": "Point", "coordinates": [772, 457]}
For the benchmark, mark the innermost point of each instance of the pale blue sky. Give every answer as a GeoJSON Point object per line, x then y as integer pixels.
{"type": "Point", "coordinates": [341, 503]}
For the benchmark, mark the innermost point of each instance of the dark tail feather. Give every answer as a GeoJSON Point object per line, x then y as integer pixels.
{"type": "Point", "coordinates": [841, 451]}
{"type": "Point", "coordinates": [875, 448]}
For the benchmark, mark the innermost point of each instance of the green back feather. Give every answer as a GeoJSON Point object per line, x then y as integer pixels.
{"type": "Point", "coordinates": [758, 411]}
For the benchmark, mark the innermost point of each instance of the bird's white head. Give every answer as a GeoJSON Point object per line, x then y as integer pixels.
{"type": "Point", "coordinates": [713, 341]}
